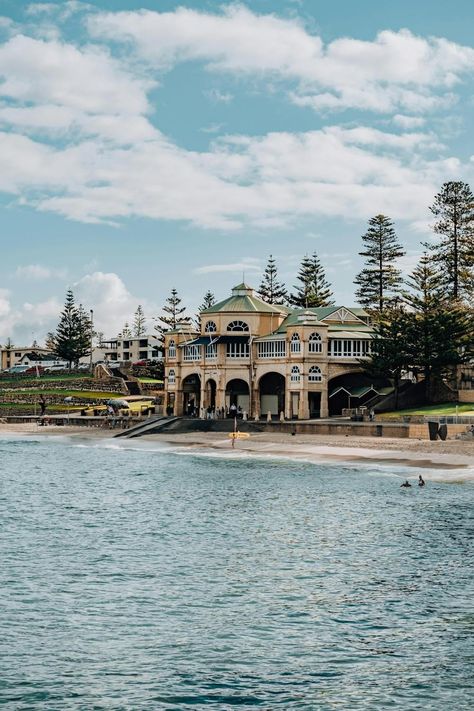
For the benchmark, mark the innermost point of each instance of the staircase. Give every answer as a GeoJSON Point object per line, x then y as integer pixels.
{"type": "Point", "coordinates": [149, 427]}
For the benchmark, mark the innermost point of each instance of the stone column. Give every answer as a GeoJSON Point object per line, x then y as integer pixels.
{"type": "Point", "coordinates": [324, 402]}
{"type": "Point", "coordinates": [203, 399]}
{"type": "Point", "coordinates": [303, 412]}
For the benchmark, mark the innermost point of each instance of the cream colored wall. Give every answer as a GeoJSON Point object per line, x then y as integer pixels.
{"type": "Point", "coordinates": [223, 370]}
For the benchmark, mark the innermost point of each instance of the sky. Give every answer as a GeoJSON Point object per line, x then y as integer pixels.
{"type": "Point", "coordinates": [154, 145]}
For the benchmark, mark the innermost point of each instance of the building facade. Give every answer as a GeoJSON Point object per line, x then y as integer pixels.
{"type": "Point", "coordinates": [9, 357]}
{"type": "Point", "coordinates": [133, 348]}
{"type": "Point", "coordinates": [265, 358]}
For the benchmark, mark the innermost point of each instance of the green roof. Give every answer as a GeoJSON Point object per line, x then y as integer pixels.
{"type": "Point", "coordinates": [244, 303]}
{"type": "Point", "coordinates": [294, 319]}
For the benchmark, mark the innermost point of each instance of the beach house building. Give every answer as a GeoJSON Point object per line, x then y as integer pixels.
{"type": "Point", "coordinates": [266, 358]}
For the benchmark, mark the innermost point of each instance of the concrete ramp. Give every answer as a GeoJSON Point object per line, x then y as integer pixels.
{"type": "Point", "coordinates": [149, 427]}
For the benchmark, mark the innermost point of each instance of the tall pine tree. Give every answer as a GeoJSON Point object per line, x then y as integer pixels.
{"type": "Point", "coordinates": [271, 290]}
{"type": "Point", "coordinates": [173, 313]}
{"type": "Point", "coordinates": [126, 331]}
{"type": "Point", "coordinates": [208, 301]}
{"type": "Point", "coordinates": [139, 322]}
{"type": "Point", "coordinates": [314, 290]}
{"type": "Point", "coordinates": [380, 281]}
{"type": "Point", "coordinates": [454, 253]}
{"type": "Point", "coordinates": [391, 351]}
{"type": "Point", "coordinates": [440, 332]}
{"type": "Point", "coordinates": [72, 338]}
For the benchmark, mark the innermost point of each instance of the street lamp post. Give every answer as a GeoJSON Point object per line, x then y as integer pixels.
{"type": "Point", "coordinates": [92, 336]}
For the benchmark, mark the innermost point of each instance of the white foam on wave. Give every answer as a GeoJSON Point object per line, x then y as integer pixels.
{"type": "Point", "coordinates": [371, 465]}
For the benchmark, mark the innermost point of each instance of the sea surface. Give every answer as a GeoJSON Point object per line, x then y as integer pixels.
{"type": "Point", "coordinates": [134, 577]}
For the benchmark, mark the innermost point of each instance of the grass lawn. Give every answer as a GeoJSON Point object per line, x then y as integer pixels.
{"type": "Point", "coordinates": [79, 394]}
{"type": "Point", "coordinates": [444, 408]}
{"type": "Point", "coordinates": [28, 408]}
{"type": "Point", "coordinates": [42, 379]}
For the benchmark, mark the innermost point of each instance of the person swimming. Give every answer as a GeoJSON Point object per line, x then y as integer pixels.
{"type": "Point", "coordinates": [421, 481]}
{"type": "Point", "coordinates": [406, 484]}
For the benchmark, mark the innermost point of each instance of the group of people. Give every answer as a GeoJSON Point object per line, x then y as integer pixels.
{"type": "Point", "coordinates": [211, 412]}
{"type": "Point", "coordinates": [406, 484]}
{"type": "Point", "coordinates": [117, 418]}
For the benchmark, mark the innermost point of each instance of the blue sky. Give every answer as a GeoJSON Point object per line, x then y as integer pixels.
{"type": "Point", "coordinates": [152, 145]}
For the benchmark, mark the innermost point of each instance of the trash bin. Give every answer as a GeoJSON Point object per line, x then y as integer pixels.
{"type": "Point", "coordinates": [378, 430]}
{"type": "Point", "coordinates": [443, 432]}
{"type": "Point", "coordinates": [433, 428]}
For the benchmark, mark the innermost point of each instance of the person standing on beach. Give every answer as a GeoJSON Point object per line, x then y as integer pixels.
{"type": "Point", "coordinates": [43, 405]}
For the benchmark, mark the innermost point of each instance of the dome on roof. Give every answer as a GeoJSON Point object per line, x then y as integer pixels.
{"type": "Point", "coordinates": [242, 289]}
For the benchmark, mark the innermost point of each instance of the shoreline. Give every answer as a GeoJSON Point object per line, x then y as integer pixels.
{"type": "Point", "coordinates": [452, 459]}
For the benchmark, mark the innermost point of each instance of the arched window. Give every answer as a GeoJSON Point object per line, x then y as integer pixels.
{"type": "Point", "coordinates": [295, 374]}
{"type": "Point", "coordinates": [295, 344]}
{"type": "Point", "coordinates": [210, 327]}
{"type": "Point", "coordinates": [171, 377]}
{"type": "Point", "coordinates": [171, 349]}
{"type": "Point", "coordinates": [315, 343]}
{"type": "Point", "coordinates": [315, 375]}
{"type": "Point", "coordinates": [237, 326]}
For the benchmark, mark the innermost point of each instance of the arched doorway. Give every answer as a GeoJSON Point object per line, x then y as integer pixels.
{"type": "Point", "coordinates": [191, 395]}
{"type": "Point", "coordinates": [272, 394]}
{"type": "Point", "coordinates": [211, 387]}
{"type": "Point", "coordinates": [237, 393]}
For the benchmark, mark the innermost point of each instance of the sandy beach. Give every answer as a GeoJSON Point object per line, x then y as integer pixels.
{"type": "Point", "coordinates": [452, 458]}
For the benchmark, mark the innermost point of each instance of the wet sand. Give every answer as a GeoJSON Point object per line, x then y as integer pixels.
{"type": "Point", "coordinates": [452, 458]}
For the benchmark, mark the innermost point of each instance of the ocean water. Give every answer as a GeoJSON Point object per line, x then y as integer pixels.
{"type": "Point", "coordinates": [133, 577]}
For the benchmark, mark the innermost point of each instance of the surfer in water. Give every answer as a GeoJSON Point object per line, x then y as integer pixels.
{"type": "Point", "coordinates": [421, 481]}
{"type": "Point", "coordinates": [406, 484]}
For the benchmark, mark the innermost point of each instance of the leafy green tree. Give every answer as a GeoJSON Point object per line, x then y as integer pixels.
{"type": "Point", "coordinates": [380, 281]}
{"type": "Point", "coordinates": [439, 331]}
{"type": "Point", "coordinates": [72, 339]}
{"type": "Point", "coordinates": [173, 313]}
{"type": "Point", "coordinates": [271, 290]}
{"type": "Point", "coordinates": [139, 322]}
{"type": "Point", "coordinates": [314, 290]}
{"type": "Point", "coordinates": [454, 253]}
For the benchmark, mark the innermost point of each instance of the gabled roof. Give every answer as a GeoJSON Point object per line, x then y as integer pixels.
{"type": "Point", "coordinates": [322, 318]}
{"type": "Point", "coordinates": [343, 314]}
{"type": "Point", "coordinates": [33, 355]}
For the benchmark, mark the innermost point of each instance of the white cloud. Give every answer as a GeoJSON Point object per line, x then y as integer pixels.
{"type": "Point", "coordinates": [37, 271]}
{"type": "Point", "coordinates": [43, 312]}
{"type": "Point", "coordinates": [61, 11]}
{"type": "Point", "coordinates": [267, 180]}
{"type": "Point", "coordinates": [396, 69]}
{"type": "Point", "coordinates": [112, 302]}
{"type": "Point", "coordinates": [408, 122]}
{"type": "Point", "coordinates": [5, 306]}
{"type": "Point", "coordinates": [246, 265]}
{"type": "Point", "coordinates": [78, 139]}
{"type": "Point", "coordinates": [57, 73]}
{"type": "Point", "coordinates": [219, 97]}
{"type": "Point", "coordinates": [27, 322]}
{"type": "Point", "coordinates": [106, 293]}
